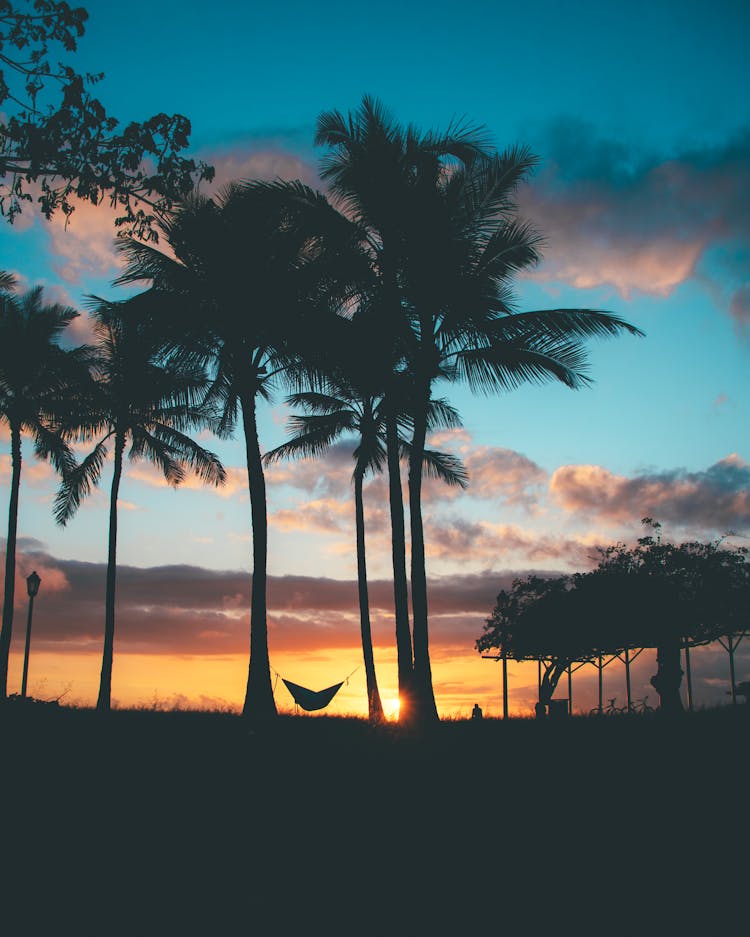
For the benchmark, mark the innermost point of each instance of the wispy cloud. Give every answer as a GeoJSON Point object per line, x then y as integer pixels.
{"type": "Point", "coordinates": [717, 499]}
{"type": "Point", "coordinates": [614, 216]}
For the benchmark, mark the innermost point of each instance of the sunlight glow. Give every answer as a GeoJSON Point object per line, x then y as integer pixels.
{"type": "Point", "coordinates": [391, 708]}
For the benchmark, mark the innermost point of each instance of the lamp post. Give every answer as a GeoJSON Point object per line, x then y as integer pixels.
{"type": "Point", "coordinates": [32, 587]}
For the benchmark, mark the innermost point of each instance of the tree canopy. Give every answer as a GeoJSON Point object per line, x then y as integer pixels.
{"type": "Point", "coordinates": [59, 144]}
{"type": "Point", "coordinates": [635, 597]}
{"type": "Point", "coordinates": [652, 595]}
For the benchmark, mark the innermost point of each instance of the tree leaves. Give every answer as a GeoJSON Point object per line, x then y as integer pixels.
{"type": "Point", "coordinates": [71, 149]}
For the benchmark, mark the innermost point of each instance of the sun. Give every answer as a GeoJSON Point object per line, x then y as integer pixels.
{"type": "Point", "coordinates": [391, 708]}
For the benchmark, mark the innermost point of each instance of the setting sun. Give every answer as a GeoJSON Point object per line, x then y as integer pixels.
{"type": "Point", "coordinates": [391, 708]}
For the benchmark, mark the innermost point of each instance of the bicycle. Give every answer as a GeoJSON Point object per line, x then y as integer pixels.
{"type": "Point", "coordinates": [641, 706]}
{"type": "Point", "coordinates": [609, 710]}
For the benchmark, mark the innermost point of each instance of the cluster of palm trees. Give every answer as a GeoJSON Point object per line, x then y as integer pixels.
{"type": "Point", "coordinates": [357, 302]}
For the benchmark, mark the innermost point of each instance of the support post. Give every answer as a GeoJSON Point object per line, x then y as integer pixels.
{"type": "Point", "coordinates": [600, 666]}
{"type": "Point", "coordinates": [627, 676]}
{"type": "Point", "coordinates": [570, 689]}
{"type": "Point", "coordinates": [24, 679]}
{"type": "Point", "coordinates": [505, 687]}
{"type": "Point", "coordinates": [732, 648]}
{"type": "Point", "coordinates": [689, 676]}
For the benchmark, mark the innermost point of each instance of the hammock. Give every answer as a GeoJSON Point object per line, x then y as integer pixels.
{"type": "Point", "coordinates": [309, 700]}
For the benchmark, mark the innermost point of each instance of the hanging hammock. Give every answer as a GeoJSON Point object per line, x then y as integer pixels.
{"type": "Point", "coordinates": [310, 700]}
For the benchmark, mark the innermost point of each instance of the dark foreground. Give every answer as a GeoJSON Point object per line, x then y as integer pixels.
{"type": "Point", "coordinates": [182, 823]}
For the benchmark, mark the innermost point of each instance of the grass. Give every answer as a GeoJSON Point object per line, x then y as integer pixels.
{"type": "Point", "coordinates": [187, 819]}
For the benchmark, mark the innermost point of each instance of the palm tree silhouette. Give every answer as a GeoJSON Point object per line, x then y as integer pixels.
{"type": "Point", "coordinates": [445, 240]}
{"type": "Point", "coordinates": [141, 400]}
{"type": "Point", "coordinates": [36, 379]}
{"type": "Point", "coordinates": [251, 275]}
{"type": "Point", "coordinates": [350, 409]}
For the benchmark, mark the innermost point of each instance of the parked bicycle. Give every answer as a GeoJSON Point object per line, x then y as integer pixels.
{"type": "Point", "coordinates": [609, 710]}
{"type": "Point", "coordinates": [641, 706]}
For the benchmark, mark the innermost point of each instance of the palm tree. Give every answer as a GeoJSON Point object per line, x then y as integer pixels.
{"type": "Point", "coordinates": [242, 295]}
{"type": "Point", "coordinates": [143, 401]}
{"type": "Point", "coordinates": [348, 408]}
{"type": "Point", "coordinates": [445, 239]}
{"type": "Point", "coordinates": [36, 376]}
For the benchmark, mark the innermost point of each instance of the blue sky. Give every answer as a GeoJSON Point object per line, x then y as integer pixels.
{"type": "Point", "coordinates": [640, 118]}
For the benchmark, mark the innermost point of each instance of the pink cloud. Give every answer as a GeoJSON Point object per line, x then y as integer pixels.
{"type": "Point", "coordinates": [739, 308]}
{"type": "Point", "coordinates": [504, 474]}
{"type": "Point", "coordinates": [267, 164]}
{"type": "Point", "coordinates": [323, 514]}
{"type": "Point", "coordinates": [717, 498]}
{"type": "Point", "coordinates": [329, 476]}
{"type": "Point", "coordinates": [148, 474]}
{"type": "Point", "coordinates": [34, 473]}
{"type": "Point", "coordinates": [86, 246]}
{"type": "Point", "coordinates": [613, 217]}
{"type": "Point", "coordinates": [52, 576]}
{"type": "Point", "coordinates": [463, 541]}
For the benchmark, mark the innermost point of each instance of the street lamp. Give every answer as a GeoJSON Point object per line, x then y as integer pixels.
{"type": "Point", "coordinates": [32, 587]}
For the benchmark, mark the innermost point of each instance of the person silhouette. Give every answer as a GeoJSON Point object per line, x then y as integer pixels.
{"type": "Point", "coordinates": [476, 712]}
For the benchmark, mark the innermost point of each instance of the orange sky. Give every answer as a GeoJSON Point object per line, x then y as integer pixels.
{"type": "Point", "coordinates": [461, 678]}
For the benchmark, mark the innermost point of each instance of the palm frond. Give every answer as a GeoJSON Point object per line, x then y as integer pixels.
{"type": "Point", "coordinates": [508, 366]}
{"type": "Point", "coordinates": [206, 465]}
{"type": "Point", "coordinates": [566, 323]}
{"type": "Point", "coordinates": [49, 444]}
{"type": "Point", "coordinates": [157, 451]}
{"type": "Point", "coordinates": [313, 436]}
{"type": "Point", "coordinates": [78, 483]}
{"type": "Point", "coordinates": [441, 415]}
{"type": "Point", "coordinates": [443, 466]}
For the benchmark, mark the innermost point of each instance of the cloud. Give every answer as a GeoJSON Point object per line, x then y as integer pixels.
{"type": "Point", "coordinates": [35, 473]}
{"type": "Point", "coordinates": [504, 474]}
{"type": "Point", "coordinates": [464, 541]}
{"type": "Point", "coordinates": [148, 474]}
{"type": "Point", "coordinates": [329, 476]}
{"type": "Point", "coordinates": [189, 610]}
{"type": "Point", "coordinates": [267, 162]}
{"type": "Point", "coordinates": [739, 307]}
{"type": "Point", "coordinates": [52, 576]}
{"type": "Point", "coordinates": [717, 499]}
{"type": "Point", "coordinates": [612, 216]}
{"type": "Point", "coordinates": [324, 514]}
{"type": "Point", "coordinates": [86, 246]}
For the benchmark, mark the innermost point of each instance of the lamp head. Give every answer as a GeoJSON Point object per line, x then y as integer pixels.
{"type": "Point", "coordinates": [32, 584]}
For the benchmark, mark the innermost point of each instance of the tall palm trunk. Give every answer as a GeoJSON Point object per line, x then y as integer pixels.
{"type": "Point", "coordinates": [398, 556]}
{"type": "Point", "coordinates": [425, 710]}
{"type": "Point", "coordinates": [103, 703]}
{"type": "Point", "coordinates": [259, 702]}
{"type": "Point", "coordinates": [374, 705]}
{"type": "Point", "coordinates": [10, 559]}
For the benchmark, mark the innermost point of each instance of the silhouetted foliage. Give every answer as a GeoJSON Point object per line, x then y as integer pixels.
{"type": "Point", "coordinates": [445, 242]}
{"type": "Point", "coordinates": [60, 137]}
{"type": "Point", "coordinates": [37, 379]}
{"type": "Point", "coordinates": [254, 275]}
{"type": "Point", "coordinates": [654, 594]}
{"type": "Point", "coordinates": [147, 402]}
{"type": "Point", "coordinates": [350, 406]}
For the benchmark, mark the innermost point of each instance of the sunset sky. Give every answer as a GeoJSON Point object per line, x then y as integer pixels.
{"type": "Point", "coordinates": [639, 114]}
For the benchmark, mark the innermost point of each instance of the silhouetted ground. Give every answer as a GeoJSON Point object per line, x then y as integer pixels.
{"type": "Point", "coordinates": [172, 823]}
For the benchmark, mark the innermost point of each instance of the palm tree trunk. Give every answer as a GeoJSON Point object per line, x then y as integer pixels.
{"type": "Point", "coordinates": [103, 703]}
{"type": "Point", "coordinates": [259, 702]}
{"type": "Point", "coordinates": [374, 705]}
{"type": "Point", "coordinates": [425, 710]}
{"type": "Point", "coordinates": [398, 556]}
{"type": "Point", "coordinates": [10, 559]}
